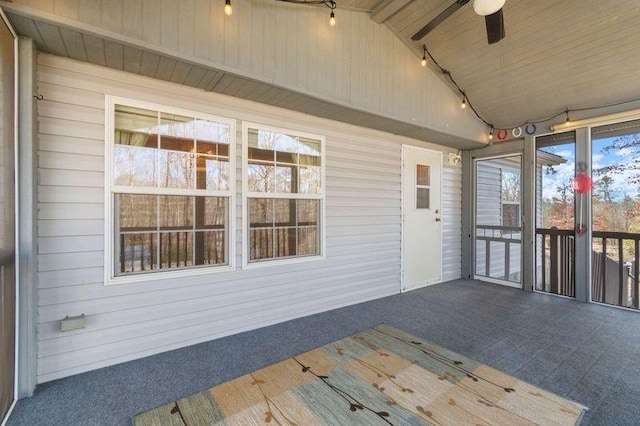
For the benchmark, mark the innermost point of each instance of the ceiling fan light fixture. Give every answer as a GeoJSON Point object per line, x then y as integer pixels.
{"type": "Point", "coordinates": [487, 7]}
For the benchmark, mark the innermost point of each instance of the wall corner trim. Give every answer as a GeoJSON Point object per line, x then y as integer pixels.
{"type": "Point", "coordinates": [27, 208]}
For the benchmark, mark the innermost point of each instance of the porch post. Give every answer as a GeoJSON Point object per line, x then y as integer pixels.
{"type": "Point", "coordinates": [467, 215]}
{"type": "Point", "coordinates": [27, 152]}
{"type": "Point", "coordinates": [528, 213]}
{"type": "Point", "coordinates": [583, 242]}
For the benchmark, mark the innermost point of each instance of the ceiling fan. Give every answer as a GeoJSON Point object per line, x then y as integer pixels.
{"type": "Point", "coordinates": [490, 9]}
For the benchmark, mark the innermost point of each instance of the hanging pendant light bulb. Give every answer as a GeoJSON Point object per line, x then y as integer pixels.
{"type": "Point", "coordinates": [491, 134]}
{"type": "Point", "coordinates": [463, 105]}
{"type": "Point", "coordinates": [423, 62]}
{"type": "Point", "coordinates": [332, 5]}
{"type": "Point", "coordinates": [228, 10]}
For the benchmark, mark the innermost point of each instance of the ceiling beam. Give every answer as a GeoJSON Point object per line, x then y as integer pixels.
{"type": "Point", "coordinates": [386, 9]}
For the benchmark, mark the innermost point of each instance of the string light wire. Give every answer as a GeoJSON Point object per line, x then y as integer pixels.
{"type": "Point", "coordinates": [565, 112]}
{"type": "Point", "coordinates": [331, 4]}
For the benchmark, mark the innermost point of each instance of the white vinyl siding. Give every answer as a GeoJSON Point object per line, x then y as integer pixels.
{"type": "Point", "coordinates": [125, 322]}
{"type": "Point", "coordinates": [451, 222]}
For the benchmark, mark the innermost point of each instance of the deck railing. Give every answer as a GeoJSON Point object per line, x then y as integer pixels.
{"type": "Point", "coordinates": [145, 251]}
{"type": "Point", "coordinates": [497, 243]}
{"type": "Point", "coordinates": [557, 261]}
{"type": "Point", "coordinates": [271, 242]}
{"type": "Point", "coordinates": [615, 277]}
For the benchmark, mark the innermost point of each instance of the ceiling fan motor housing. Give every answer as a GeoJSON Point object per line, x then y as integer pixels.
{"type": "Point", "coordinates": [487, 7]}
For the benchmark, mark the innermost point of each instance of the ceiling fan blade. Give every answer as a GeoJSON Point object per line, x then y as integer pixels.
{"type": "Point", "coordinates": [439, 19]}
{"type": "Point", "coordinates": [495, 27]}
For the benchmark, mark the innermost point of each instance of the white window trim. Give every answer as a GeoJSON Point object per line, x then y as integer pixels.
{"type": "Point", "coordinates": [109, 215]}
{"type": "Point", "coordinates": [246, 195]}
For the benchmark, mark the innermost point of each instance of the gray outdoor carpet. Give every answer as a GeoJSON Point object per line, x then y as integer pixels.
{"type": "Point", "coordinates": [586, 353]}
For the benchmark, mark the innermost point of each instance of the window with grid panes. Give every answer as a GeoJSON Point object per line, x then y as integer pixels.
{"type": "Point", "coordinates": [284, 183]}
{"type": "Point", "coordinates": [171, 190]}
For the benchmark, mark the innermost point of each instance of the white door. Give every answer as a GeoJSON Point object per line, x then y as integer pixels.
{"type": "Point", "coordinates": [422, 217]}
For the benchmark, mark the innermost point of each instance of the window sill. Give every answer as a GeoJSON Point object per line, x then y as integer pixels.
{"type": "Point", "coordinates": [282, 262]}
{"type": "Point", "coordinates": [168, 274]}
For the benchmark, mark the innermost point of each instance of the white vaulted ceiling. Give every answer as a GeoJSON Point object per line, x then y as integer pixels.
{"type": "Point", "coordinates": [270, 52]}
{"type": "Point", "coordinates": [556, 55]}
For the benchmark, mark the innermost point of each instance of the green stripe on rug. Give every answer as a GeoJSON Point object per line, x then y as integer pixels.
{"type": "Point", "coordinates": [323, 404]}
{"type": "Point", "coordinates": [379, 376]}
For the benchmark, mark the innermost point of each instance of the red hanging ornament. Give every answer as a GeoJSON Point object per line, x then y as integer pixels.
{"type": "Point", "coordinates": [582, 183]}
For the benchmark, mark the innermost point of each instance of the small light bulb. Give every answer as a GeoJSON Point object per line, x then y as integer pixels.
{"type": "Point", "coordinates": [491, 135]}
{"type": "Point", "coordinates": [332, 19]}
{"type": "Point", "coordinates": [463, 105]}
{"type": "Point", "coordinates": [228, 10]}
{"type": "Point", "coordinates": [424, 61]}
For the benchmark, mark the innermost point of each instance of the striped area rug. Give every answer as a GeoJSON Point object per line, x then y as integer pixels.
{"type": "Point", "coordinates": [380, 376]}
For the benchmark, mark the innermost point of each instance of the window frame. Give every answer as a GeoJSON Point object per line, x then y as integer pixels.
{"type": "Point", "coordinates": [246, 194]}
{"type": "Point", "coordinates": [418, 186]}
{"type": "Point", "coordinates": [504, 170]}
{"type": "Point", "coordinates": [518, 214]}
{"type": "Point", "coordinates": [110, 278]}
